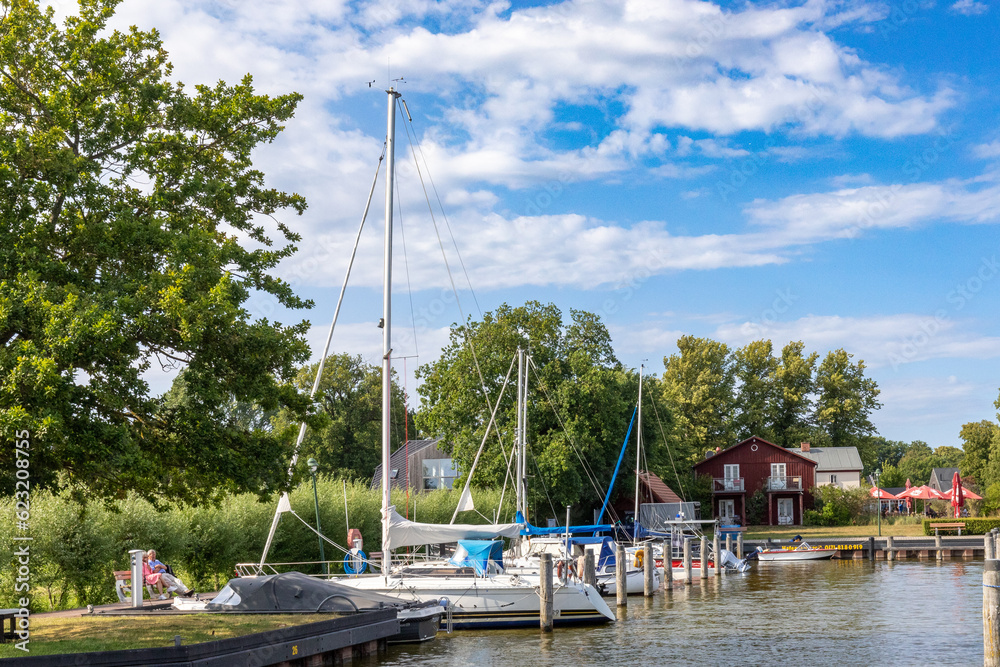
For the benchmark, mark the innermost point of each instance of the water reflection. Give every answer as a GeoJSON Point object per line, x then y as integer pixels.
{"type": "Point", "coordinates": [834, 612]}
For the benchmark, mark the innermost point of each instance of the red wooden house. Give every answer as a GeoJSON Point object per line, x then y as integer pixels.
{"type": "Point", "coordinates": [784, 475]}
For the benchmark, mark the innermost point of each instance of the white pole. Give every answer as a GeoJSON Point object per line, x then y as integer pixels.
{"type": "Point", "coordinates": [638, 451]}
{"type": "Point", "coordinates": [387, 321]}
{"type": "Point", "coordinates": [520, 431]}
{"type": "Point", "coordinates": [524, 437]}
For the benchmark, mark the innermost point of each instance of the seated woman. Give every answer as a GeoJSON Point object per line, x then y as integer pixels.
{"type": "Point", "coordinates": [173, 583]}
{"type": "Point", "coordinates": [152, 578]}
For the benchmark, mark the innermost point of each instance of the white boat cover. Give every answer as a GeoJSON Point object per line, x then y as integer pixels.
{"type": "Point", "coordinates": [405, 533]}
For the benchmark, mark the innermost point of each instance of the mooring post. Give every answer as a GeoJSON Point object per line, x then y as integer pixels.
{"type": "Point", "coordinates": [648, 567]}
{"type": "Point", "coordinates": [988, 547]}
{"type": "Point", "coordinates": [937, 546]}
{"type": "Point", "coordinates": [546, 593]}
{"type": "Point", "coordinates": [703, 558]}
{"type": "Point", "coordinates": [991, 613]}
{"type": "Point", "coordinates": [889, 553]}
{"type": "Point", "coordinates": [739, 545]}
{"type": "Point", "coordinates": [621, 569]}
{"type": "Point", "coordinates": [717, 554]}
{"type": "Point", "coordinates": [589, 569]}
{"type": "Point", "coordinates": [729, 543]}
{"type": "Point", "coordinates": [871, 549]}
{"type": "Point", "coordinates": [996, 541]}
{"type": "Point", "coordinates": [668, 563]}
{"type": "Point", "coordinates": [687, 561]}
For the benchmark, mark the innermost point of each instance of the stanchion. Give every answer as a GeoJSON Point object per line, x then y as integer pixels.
{"type": "Point", "coordinates": [991, 613]}
{"type": "Point", "coordinates": [589, 569]}
{"type": "Point", "coordinates": [703, 558]}
{"type": "Point", "coordinates": [546, 593]}
{"type": "Point", "coordinates": [687, 562]}
{"type": "Point", "coordinates": [668, 563]}
{"type": "Point", "coordinates": [648, 565]}
{"type": "Point", "coordinates": [621, 585]}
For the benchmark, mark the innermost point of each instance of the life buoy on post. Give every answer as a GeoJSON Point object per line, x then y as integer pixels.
{"type": "Point", "coordinates": [638, 558]}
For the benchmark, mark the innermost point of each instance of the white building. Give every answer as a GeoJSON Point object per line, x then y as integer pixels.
{"type": "Point", "coordinates": [835, 466]}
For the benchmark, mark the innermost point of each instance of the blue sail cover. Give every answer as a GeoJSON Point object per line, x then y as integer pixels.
{"type": "Point", "coordinates": [481, 555]}
{"type": "Point", "coordinates": [607, 553]}
{"type": "Point", "coordinates": [558, 530]}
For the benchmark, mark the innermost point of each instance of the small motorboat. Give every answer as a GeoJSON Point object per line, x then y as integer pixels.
{"type": "Point", "coordinates": [800, 552]}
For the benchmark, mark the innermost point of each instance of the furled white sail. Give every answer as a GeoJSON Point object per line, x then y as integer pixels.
{"type": "Point", "coordinates": [465, 503]}
{"type": "Point", "coordinates": [403, 533]}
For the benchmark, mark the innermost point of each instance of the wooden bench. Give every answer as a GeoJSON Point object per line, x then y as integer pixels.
{"type": "Point", "coordinates": [123, 586]}
{"type": "Point", "coordinates": [948, 526]}
{"type": "Point", "coordinates": [12, 633]}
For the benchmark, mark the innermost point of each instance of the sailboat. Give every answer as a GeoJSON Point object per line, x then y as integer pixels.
{"type": "Point", "coordinates": [473, 584]}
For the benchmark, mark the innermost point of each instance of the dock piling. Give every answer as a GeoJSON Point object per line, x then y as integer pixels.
{"type": "Point", "coordinates": [991, 613]}
{"type": "Point", "coordinates": [621, 569]}
{"type": "Point", "coordinates": [871, 549]}
{"type": "Point", "coordinates": [668, 563]}
{"type": "Point", "coordinates": [988, 553]}
{"type": "Point", "coordinates": [890, 555]}
{"type": "Point", "coordinates": [937, 547]}
{"type": "Point", "coordinates": [589, 569]}
{"type": "Point", "coordinates": [703, 558]}
{"type": "Point", "coordinates": [739, 545]}
{"type": "Point", "coordinates": [718, 555]}
{"type": "Point", "coordinates": [546, 593]}
{"type": "Point", "coordinates": [648, 566]}
{"type": "Point", "coordinates": [687, 562]}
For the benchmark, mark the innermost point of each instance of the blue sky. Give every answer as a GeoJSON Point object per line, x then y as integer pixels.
{"type": "Point", "coordinates": [819, 171]}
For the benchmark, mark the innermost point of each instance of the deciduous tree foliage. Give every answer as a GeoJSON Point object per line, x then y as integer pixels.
{"type": "Point", "coordinates": [580, 402]}
{"type": "Point", "coordinates": [132, 232]}
{"type": "Point", "coordinates": [348, 442]}
{"type": "Point", "coordinates": [845, 399]}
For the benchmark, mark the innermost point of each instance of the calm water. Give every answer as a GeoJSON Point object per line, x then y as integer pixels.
{"type": "Point", "coordinates": [824, 613]}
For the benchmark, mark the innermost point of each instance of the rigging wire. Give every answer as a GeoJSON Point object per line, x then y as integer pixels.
{"type": "Point", "coordinates": [406, 269]}
{"type": "Point", "coordinates": [666, 444]}
{"type": "Point", "coordinates": [451, 277]}
{"type": "Point", "coordinates": [569, 438]}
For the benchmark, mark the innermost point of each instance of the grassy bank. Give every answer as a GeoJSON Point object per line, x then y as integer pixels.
{"type": "Point", "coordinates": [82, 634]}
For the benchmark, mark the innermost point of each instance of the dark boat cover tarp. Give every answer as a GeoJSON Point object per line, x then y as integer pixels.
{"type": "Point", "coordinates": [296, 592]}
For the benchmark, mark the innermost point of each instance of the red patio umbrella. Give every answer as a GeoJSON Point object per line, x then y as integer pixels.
{"type": "Point", "coordinates": [957, 497]}
{"type": "Point", "coordinates": [881, 494]}
{"type": "Point", "coordinates": [924, 493]}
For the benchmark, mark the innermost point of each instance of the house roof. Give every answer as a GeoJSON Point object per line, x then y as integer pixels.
{"type": "Point", "coordinates": [760, 441]}
{"type": "Point", "coordinates": [661, 492]}
{"type": "Point", "coordinates": [943, 477]}
{"type": "Point", "coordinates": [833, 458]}
{"type": "Point", "coordinates": [397, 461]}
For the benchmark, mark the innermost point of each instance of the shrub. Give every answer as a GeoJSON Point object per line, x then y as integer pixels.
{"type": "Point", "coordinates": [978, 526]}
{"type": "Point", "coordinates": [756, 508]}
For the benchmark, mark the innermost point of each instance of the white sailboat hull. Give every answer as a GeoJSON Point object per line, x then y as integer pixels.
{"type": "Point", "coordinates": [501, 601]}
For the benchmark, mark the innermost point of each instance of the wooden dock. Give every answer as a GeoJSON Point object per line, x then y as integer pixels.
{"type": "Point", "coordinates": [333, 642]}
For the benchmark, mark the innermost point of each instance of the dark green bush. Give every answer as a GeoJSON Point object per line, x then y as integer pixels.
{"type": "Point", "coordinates": [973, 526]}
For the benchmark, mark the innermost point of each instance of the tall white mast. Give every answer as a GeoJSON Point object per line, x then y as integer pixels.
{"type": "Point", "coordinates": [390, 139]}
{"type": "Point", "coordinates": [638, 452]}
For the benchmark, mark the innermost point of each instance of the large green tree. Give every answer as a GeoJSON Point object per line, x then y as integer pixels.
{"type": "Point", "coordinates": [794, 383]}
{"type": "Point", "coordinates": [977, 443]}
{"type": "Point", "coordinates": [845, 400]}
{"type": "Point", "coordinates": [133, 230]}
{"type": "Point", "coordinates": [348, 442]}
{"type": "Point", "coordinates": [698, 388]}
{"type": "Point", "coordinates": [755, 369]}
{"type": "Point", "coordinates": [580, 402]}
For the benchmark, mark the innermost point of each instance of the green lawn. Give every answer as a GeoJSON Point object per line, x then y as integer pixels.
{"type": "Point", "coordinates": [818, 532]}
{"type": "Point", "coordinates": [81, 634]}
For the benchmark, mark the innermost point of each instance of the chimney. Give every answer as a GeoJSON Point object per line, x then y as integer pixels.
{"type": "Point", "coordinates": [805, 446]}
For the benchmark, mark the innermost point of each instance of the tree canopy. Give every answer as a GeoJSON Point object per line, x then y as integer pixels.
{"type": "Point", "coordinates": [580, 402]}
{"type": "Point", "coordinates": [347, 442]}
{"type": "Point", "coordinates": [133, 230]}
